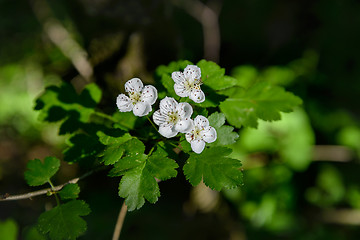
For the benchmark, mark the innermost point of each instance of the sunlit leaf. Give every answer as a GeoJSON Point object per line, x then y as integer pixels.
{"type": "Point", "coordinates": [139, 171]}
{"type": "Point", "coordinates": [214, 168]}
{"type": "Point", "coordinates": [225, 134]}
{"type": "Point", "coordinates": [260, 101]}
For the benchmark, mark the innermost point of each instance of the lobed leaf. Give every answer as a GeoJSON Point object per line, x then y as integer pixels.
{"type": "Point", "coordinates": [160, 166]}
{"type": "Point", "coordinates": [261, 100]}
{"type": "Point", "coordinates": [214, 76]}
{"type": "Point", "coordinates": [64, 221]}
{"type": "Point", "coordinates": [214, 168]}
{"type": "Point", "coordinates": [70, 191]}
{"type": "Point", "coordinates": [116, 147]}
{"type": "Point", "coordinates": [38, 172]}
{"type": "Point", "coordinates": [225, 134]}
{"type": "Point", "coordinates": [139, 171]}
{"type": "Point", "coordinates": [82, 147]}
{"type": "Point", "coordinates": [64, 104]}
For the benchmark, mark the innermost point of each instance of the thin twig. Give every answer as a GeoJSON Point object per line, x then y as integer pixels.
{"type": "Point", "coordinates": [151, 123]}
{"type": "Point", "coordinates": [8, 197]}
{"type": "Point", "coordinates": [121, 218]}
{"type": "Point", "coordinates": [120, 222]}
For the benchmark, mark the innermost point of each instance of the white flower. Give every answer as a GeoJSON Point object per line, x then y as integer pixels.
{"type": "Point", "coordinates": [140, 98]}
{"type": "Point", "coordinates": [187, 84]}
{"type": "Point", "coordinates": [200, 133]}
{"type": "Point", "coordinates": [173, 117]}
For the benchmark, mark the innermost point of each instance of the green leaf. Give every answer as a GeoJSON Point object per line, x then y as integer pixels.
{"type": "Point", "coordinates": [214, 168]}
{"type": "Point", "coordinates": [261, 100]}
{"type": "Point", "coordinates": [139, 171]}
{"type": "Point", "coordinates": [70, 191]}
{"type": "Point", "coordinates": [8, 230]}
{"type": "Point", "coordinates": [214, 76]}
{"type": "Point", "coordinates": [116, 147]}
{"type": "Point", "coordinates": [291, 139]}
{"type": "Point", "coordinates": [64, 221]}
{"type": "Point", "coordinates": [82, 147]}
{"type": "Point", "coordinates": [246, 75]}
{"type": "Point", "coordinates": [160, 166]}
{"type": "Point", "coordinates": [216, 120]}
{"type": "Point", "coordinates": [38, 173]}
{"type": "Point", "coordinates": [136, 186]}
{"type": "Point", "coordinates": [64, 104]}
{"type": "Point", "coordinates": [225, 134]}
{"type": "Point", "coordinates": [32, 233]}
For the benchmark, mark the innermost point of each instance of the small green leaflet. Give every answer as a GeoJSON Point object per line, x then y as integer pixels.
{"type": "Point", "coordinates": [214, 168]}
{"type": "Point", "coordinates": [262, 100]}
{"type": "Point", "coordinates": [70, 191]}
{"type": "Point", "coordinates": [225, 134]}
{"type": "Point", "coordinates": [214, 76]}
{"type": "Point", "coordinates": [116, 146]}
{"type": "Point", "coordinates": [214, 79]}
{"type": "Point", "coordinates": [139, 171]}
{"type": "Point", "coordinates": [64, 221]}
{"type": "Point", "coordinates": [38, 173]}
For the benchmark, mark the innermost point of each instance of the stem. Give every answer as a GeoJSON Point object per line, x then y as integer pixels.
{"type": "Point", "coordinates": [103, 115]}
{"type": "Point", "coordinates": [151, 150]}
{"type": "Point", "coordinates": [174, 145]}
{"type": "Point", "coordinates": [8, 197]}
{"type": "Point", "coordinates": [120, 222]}
{"type": "Point", "coordinates": [55, 194]}
{"type": "Point", "coordinates": [151, 122]}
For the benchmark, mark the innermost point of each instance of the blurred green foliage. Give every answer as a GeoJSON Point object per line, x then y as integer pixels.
{"type": "Point", "coordinates": [308, 47]}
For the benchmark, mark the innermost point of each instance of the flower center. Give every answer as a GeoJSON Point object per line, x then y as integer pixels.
{"type": "Point", "coordinates": [197, 133]}
{"type": "Point", "coordinates": [173, 117]}
{"type": "Point", "coordinates": [135, 97]}
{"type": "Point", "coordinates": [191, 85]}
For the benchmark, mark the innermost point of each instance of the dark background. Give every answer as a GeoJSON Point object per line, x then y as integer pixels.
{"type": "Point", "coordinates": [317, 40]}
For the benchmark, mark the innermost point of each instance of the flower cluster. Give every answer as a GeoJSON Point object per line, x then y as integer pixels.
{"type": "Point", "coordinates": [172, 117]}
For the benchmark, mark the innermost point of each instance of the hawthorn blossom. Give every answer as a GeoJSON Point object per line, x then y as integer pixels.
{"type": "Point", "coordinates": [140, 98]}
{"type": "Point", "coordinates": [200, 133]}
{"type": "Point", "coordinates": [187, 84]}
{"type": "Point", "coordinates": [173, 117]}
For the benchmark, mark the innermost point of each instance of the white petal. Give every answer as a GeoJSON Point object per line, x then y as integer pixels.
{"type": "Point", "coordinates": [134, 85]}
{"type": "Point", "coordinates": [180, 90]}
{"type": "Point", "coordinates": [167, 131]}
{"type": "Point", "coordinates": [149, 94]}
{"type": "Point", "coordinates": [197, 96]}
{"type": "Point", "coordinates": [141, 109]}
{"type": "Point", "coordinates": [168, 105]}
{"type": "Point", "coordinates": [178, 77]}
{"type": "Point", "coordinates": [184, 126]}
{"type": "Point", "coordinates": [197, 146]}
{"type": "Point", "coordinates": [159, 118]}
{"type": "Point", "coordinates": [184, 109]}
{"type": "Point", "coordinates": [124, 103]}
{"type": "Point", "coordinates": [201, 122]}
{"type": "Point", "coordinates": [192, 72]}
{"type": "Point", "coordinates": [189, 136]}
{"type": "Point", "coordinates": [209, 134]}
